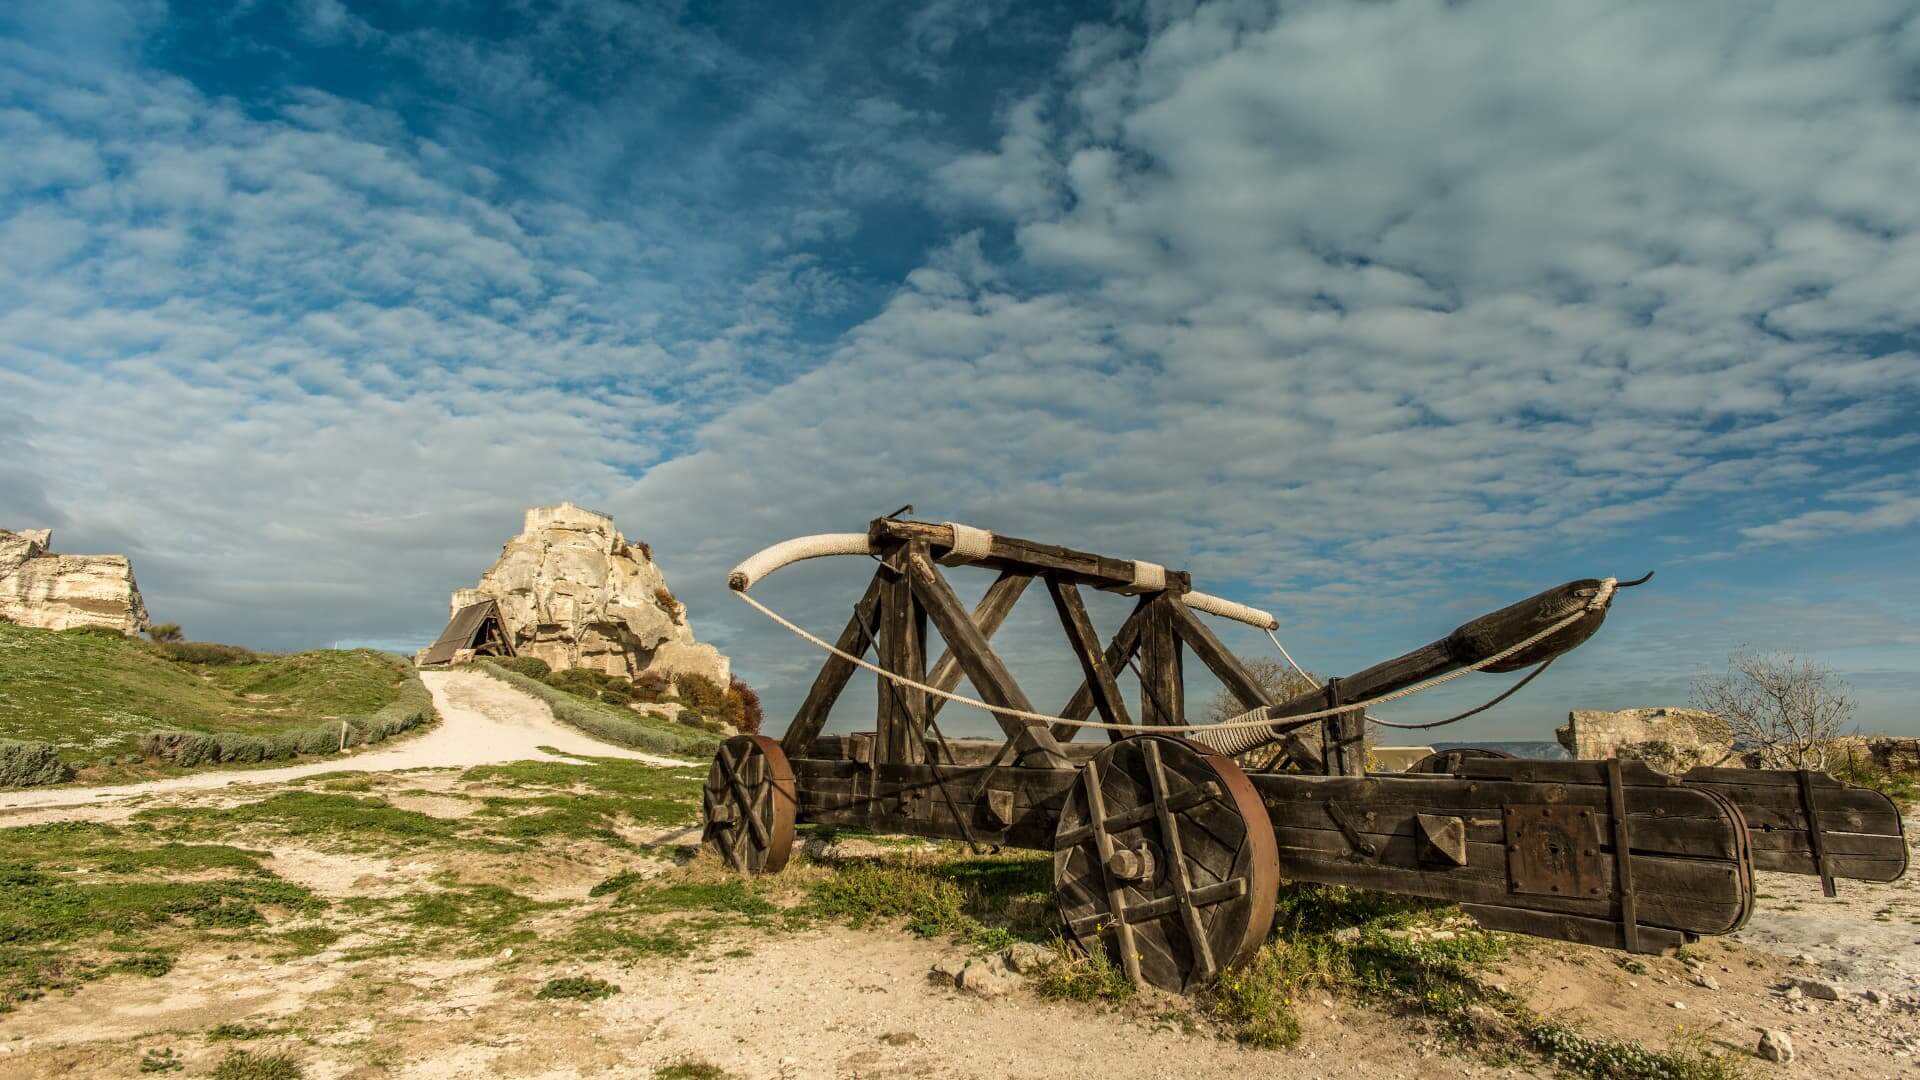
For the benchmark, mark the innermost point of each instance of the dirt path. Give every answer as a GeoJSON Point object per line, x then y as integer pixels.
{"type": "Point", "coordinates": [483, 721]}
{"type": "Point", "coordinates": [1866, 938]}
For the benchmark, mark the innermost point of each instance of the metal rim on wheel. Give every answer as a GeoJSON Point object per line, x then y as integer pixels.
{"type": "Point", "coordinates": [1165, 855]}
{"type": "Point", "coordinates": [748, 805]}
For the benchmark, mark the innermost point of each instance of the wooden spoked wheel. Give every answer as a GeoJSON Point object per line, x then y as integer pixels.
{"type": "Point", "coordinates": [1165, 857]}
{"type": "Point", "coordinates": [1443, 762]}
{"type": "Point", "coordinates": [749, 805]}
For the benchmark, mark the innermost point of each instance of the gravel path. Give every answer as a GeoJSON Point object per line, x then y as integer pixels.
{"type": "Point", "coordinates": [483, 721]}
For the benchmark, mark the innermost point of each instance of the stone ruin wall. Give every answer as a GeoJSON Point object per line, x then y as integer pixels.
{"type": "Point", "coordinates": [1669, 739]}
{"type": "Point", "coordinates": [44, 589]}
{"type": "Point", "coordinates": [576, 593]}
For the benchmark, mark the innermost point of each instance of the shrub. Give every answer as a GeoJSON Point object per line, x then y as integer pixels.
{"type": "Point", "coordinates": [651, 687]}
{"type": "Point", "coordinates": [666, 602]}
{"type": "Point", "coordinates": [244, 1065]}
{"type": "Point", "coordinates": [242, 749]}
{"type": "Point", "coordinates": [743, 705]}
{"type": "Point", "coordinates": [30, 764]}
{"type": "Point", "coordinates": [701, 694]}
{"type": "Point", "coordinates": [166, 632]}
{"type": "Point", "coordinates": [577, 988]}
{"type": "Point", "coordinates": [531, 666]}
{"type": "Point", "coordinates": [207, 652]}
{"type": "Point", "coordinates": [189, 748]}
{"type": "Point", "coordinates": [619, 726]}
{"type": "Point", "coordinates": [317, 740]}
{"type": "Point", "coordinates": [615, 697]}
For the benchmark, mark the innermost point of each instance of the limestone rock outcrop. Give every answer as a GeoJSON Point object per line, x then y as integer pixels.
{"type": "Point", "coordinates": [1671, 740]}
{"type": "Point", "coordinates": [575, 593]}
{"type": "Point", "coordinates": [58, 592]}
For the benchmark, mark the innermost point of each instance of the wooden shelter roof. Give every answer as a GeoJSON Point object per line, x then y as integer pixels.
{"type": "Point", "coordinates": [463, 631]}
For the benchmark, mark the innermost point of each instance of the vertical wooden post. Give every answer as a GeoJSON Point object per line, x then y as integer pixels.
{"type": "Point", "coordinates": [903, 652]}
{"type": "Point", "coordinates": [1343, 736]}
{"type": "Point", "coordinates": [903, 643]}
{"type": "Point", "coordinates": [1162, 689]}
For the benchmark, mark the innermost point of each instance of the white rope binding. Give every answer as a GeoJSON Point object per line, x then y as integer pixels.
{"type": "Point", "coordinates": [1602, 596]}
{"type": "Point", "coordinates": [969, 544]}
{"type": "Point", "coordinates": [1227, 609]}
{"type": "Point", "coordinates": [1147, 577]}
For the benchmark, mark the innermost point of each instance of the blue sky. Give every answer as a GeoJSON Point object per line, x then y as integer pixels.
{"type": "Point", "coordinates": [1376, 315]}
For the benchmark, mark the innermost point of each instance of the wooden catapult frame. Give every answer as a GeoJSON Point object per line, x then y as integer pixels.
{"type": "Point", "coordinates": [1168, 853]}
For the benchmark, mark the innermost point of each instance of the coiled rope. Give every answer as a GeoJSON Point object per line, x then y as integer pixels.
{"type": "Point", "coordinates": [1601, 597]}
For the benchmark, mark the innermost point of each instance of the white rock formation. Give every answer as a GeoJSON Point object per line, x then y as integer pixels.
{"type": "Point", "coordinates": [1673, 740]}
{"type": "Point", "coordinates": [58, 592]}
{"type": "Point", "coordinates": [573, 592]}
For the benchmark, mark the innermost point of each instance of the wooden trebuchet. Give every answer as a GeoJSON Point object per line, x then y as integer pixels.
{"type": "Point", "coordinates": [1805, 822]}
{"type": "Point", "coordinates": [748, 805]}
{"type": "Point", "coordinates": [1167, 855]}
{"type": "Point", "coordinates": [1164, 857]}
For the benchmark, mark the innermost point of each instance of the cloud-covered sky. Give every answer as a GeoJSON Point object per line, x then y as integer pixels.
{"type": "Point", "coordinates": [1376, 315]}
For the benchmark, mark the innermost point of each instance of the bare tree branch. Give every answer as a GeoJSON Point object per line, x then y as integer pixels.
{"type": "Point", "coordinates": [1785, 709]}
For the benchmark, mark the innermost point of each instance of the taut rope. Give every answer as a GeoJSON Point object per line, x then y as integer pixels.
{"type": "Point", "coordinates": [1244, 720]}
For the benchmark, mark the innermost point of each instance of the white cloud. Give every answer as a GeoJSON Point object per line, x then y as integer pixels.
{"type": "Point", "coordinates": [1358, 310]}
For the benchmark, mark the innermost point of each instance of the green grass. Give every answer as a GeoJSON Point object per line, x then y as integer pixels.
{"type": "Point", "coordinates": [92, 695]}
{"type": "Point", "coordinates": [691, 1070]}
{"type": "Point", "coordinates": [988, 902]}
{"type": "Point", "coordinates": [1076, 976]}
{"type": "Point", "coordinates": [1418, 959]}
{"type": "Point", "coordinates": [576, 988]}
{"type": "Point", "coordinates": [336, 815]}
{"type": "Point", "coordinates": [565, 801]}
{"type": "Point", "coordinates": [614, 723]}
{"type": "Point", "coordinates": [246, 1065]}
{"type": "Point", "coordinates": [238, 1032]}
{"type": "Point", "coordinates": [81, 901]}
{"type": "Point", "coordinates": [1902, 787]}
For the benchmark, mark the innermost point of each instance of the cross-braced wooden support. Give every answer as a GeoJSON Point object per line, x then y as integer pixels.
{"type": "Point", "coordinates": [1168, 855]}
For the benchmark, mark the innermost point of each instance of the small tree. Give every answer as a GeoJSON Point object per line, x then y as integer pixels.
{"type": "Point", "coordinates": [166, 631]}
{"type": "Point", "coordinates": [1779, 706]}
{"type": "Point", "coordinates": [1279, 681]}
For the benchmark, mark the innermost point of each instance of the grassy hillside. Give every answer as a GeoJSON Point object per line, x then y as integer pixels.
{"type": "Point", "coordinates": [93, 694]}
{"type": "Point", "coordinates": [649, 732]}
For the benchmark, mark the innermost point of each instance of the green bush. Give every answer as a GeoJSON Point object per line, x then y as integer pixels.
{"type": "Point", "coordinates": [190, 748]}
{"type": "Point", "coordinates": [743, 707]}
{"type": "Point", "coordinates": [577, 988]}
{"type": "Point", "coordinates": [207, 652]}
{"type": "Point", "coordinates": [166, 631]}
{"type": "Point", "coordinates": [651, 687]}
{"type": "Point", "coordinates": [701, 694]}
{"type": "Point", "coordinates": [611, 723]}
{"type": "Point", "coordinates": [531, 666]}
{"type": "Point", "coordinates": [31, 764]}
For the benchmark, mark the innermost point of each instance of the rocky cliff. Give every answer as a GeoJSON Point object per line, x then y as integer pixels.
{"type": "Point", "coordinates": [573, 592]}
{"type": "Point", "coordinates": [59, 592]}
